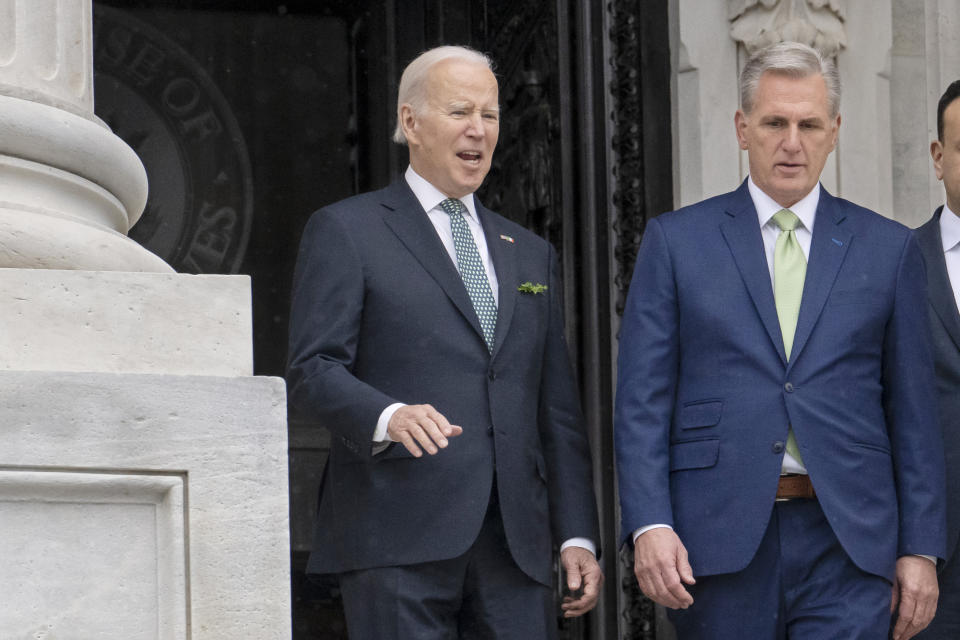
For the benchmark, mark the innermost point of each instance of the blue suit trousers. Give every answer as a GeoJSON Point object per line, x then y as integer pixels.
{"type": "Point", "coordinates": [801, 585]}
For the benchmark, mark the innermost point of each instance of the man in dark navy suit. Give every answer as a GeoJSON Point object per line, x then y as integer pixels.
{"type": "Point", "coordinates": [423, 323]}
{"type": "Point", "coordinates": [780, 465]}
{"type": "Point", "coordinates": [939, 242]}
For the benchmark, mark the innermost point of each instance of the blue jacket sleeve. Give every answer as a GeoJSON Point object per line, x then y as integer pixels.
{"type": "Point", "coordinates": [646, 386]}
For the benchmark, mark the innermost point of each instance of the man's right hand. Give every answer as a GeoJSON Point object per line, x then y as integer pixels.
{"type": "Point", "coordinates": [660, 564]}
{"type": "Point", "coordinates": [420, 425]}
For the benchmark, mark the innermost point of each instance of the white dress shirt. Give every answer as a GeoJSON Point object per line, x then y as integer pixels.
{"type": "Point", "coordinates": [950, 234]}
{"type": "Point", "coordinates": [430, 198]}
{"type": "Point", "coordinates": [806, 210]}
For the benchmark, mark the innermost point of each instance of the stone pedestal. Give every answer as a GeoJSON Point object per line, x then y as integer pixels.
{"type": "Point", "coordinates": [143, 506]}
{"type": "Point", "coordinates": [143, 468]}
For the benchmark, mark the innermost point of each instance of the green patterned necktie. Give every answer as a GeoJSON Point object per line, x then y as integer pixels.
{"type": "Point", "coordinates": [471, 270]}
{"type": "Point", "coordinates": [789, 271]}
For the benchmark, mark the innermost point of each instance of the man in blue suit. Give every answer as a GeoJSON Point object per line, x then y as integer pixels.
{"type": "Point", "coordinates": [422, 322]}
{"type": "Point", "coordinates": [779, 462]}
{"type": "Point", "coordinates": [939, 241]}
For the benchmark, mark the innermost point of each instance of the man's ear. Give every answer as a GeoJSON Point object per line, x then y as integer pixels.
{"type": "Point", "coordinates": [408, 122]}
{"type": "Point", "coordinates": [936, 152]}
{"type": "Point", "coordinates": [836, 131]}
{"type": "Point", "coordinates": [740, 124]}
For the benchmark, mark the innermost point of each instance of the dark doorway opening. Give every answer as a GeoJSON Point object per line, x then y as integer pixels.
{"type": "Point", "coordinates": [251, 114]}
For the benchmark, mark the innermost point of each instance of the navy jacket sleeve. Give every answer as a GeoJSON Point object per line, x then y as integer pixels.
{"type": "Point", "coordinates": [566, 449]}
{"type": "Point", "coordinates": [327, 303]}
{"type": "Point", "coordinates": [910, 407]}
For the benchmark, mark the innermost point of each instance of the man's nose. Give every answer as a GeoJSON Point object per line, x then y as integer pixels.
{"type": "Point", "coordinates": [791, 141]}
{"type": "Point", "coordinates": [476, 129]}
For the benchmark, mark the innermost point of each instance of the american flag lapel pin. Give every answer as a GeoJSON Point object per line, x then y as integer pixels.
{"type": "Point", "coordinates": [507, 238]}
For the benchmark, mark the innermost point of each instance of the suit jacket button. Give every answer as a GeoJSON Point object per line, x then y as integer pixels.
{"type": "Point", "coordinates": [788, 387]}
{"type": "Point", "coordinates": [489, 431]}
{"type": "Point", "coordinates": [492, 375]}
{"type": "Point", "coordinates": [777, 447]}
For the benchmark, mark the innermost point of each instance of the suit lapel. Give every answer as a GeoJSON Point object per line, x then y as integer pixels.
{"type": "Point", "coordinates": [412, 226]}
{"type": "Point", "coordinates": [828, 248]}
{"type": "Point", "coordinates": [504, 258]}
{"type": "Point", "coordinates": [741, 230]}
{"type": "Point", "coordinates": [940, 292]}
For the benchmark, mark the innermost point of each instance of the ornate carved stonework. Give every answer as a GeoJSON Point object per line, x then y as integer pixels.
{"type": "Point", "coordinates": [818, 23]}
{"type": "Point", "coordinates": [626, 141]}
{"type": "Point", "coordinates": [637, 612]}
{"type": "Point", "coordinates": [524, 180]}
{"type": "Point", "coordinates": [630, 216]}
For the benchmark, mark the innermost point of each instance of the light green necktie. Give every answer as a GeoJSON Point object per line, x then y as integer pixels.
{"type": "Point", "coordinates": [789, 271]}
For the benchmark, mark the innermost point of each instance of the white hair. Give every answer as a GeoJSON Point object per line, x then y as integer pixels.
{"type": "Point", "coordinates": [413, 82]}
{"type": "Point", "coordinates": [794, 60]}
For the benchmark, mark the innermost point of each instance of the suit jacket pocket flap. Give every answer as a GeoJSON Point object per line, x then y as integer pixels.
{"type": "Point", "coordinates": [695, 454]}
{"type": "Point", "coordinates": [856, 296]}
{"type": "Point", "coordinates": [697, 415]}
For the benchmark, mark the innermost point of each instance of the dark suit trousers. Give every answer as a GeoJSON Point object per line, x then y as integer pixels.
{"type": "Point", "coordinates": [801, 585]}
{"type": "Point", "coordinates": [480, 595]}
{"type": "Point", "coordinates": [946, 624]}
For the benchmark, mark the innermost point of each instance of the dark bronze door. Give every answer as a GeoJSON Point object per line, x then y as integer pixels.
{"type": "Point", "coordinates": [251, 114]}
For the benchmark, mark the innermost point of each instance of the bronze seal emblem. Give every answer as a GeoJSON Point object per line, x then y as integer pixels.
{"type": "Point", "coordinates": [159, 100]}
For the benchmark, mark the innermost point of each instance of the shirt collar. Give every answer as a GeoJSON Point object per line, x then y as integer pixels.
{"type": "Point", "coordinates": [430, 197]}
{"type": "Point", "coordinates": [805, 209]}
{"type": "Point", "coordinates": [949, 229]}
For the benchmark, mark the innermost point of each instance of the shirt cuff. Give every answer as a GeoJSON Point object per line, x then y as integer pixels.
{"type": "Point", "coordinates": [583, 543]}
{"type": "Point", "coordinates": [932, 559]}
{"type": "Point", "coordinates": [642, 530]}
{"type": "Point", "coordinates": [380, 434]}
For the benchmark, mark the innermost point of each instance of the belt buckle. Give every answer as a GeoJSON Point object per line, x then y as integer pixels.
{"type": "Point", "coordinates": [793, 497]}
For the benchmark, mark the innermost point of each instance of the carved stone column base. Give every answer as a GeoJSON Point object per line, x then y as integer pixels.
{"type": "Point", "coordinates": [69, 192]}
{"type": "Point", "coordinates": [35, 239]}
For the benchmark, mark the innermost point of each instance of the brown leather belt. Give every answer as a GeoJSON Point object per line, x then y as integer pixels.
{"type": "Point", "coordinates": [795, 486]}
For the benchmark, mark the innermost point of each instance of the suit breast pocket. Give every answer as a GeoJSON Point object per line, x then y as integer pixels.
{"type": "Point", "coordinates": [534, 303]}
{"type": "Point", "coordinates": [700, 414]}
{"type": "Point", "coordinates": [856, 296]}
{"type": "Point", "coordinates": [531, 317]}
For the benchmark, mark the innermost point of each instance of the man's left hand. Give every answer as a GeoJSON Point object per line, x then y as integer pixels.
{"type": "Point", "coordinates": [915, 588]}
{"type": "Point", "coordinates": [584, 572]}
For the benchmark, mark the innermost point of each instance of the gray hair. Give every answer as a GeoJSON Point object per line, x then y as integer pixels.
{"type": "Point", "coordinates": [413, 82]}
{"type": "Point", "coordinates": [794, 60]}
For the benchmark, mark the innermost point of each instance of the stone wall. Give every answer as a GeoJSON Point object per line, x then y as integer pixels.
{"type": "Point", "coordinates": [895, 58]}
